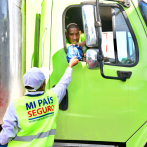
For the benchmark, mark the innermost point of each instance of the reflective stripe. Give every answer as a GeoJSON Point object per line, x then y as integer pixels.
{"type": "Point", "coordinates": [31, 137]}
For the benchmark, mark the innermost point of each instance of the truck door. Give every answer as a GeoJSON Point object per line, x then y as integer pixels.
{"type": "Point", "coordinates": [100, 110]}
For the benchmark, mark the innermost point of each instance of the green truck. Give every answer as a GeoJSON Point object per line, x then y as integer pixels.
{"type": "Point", "coordinates": [106, 101]}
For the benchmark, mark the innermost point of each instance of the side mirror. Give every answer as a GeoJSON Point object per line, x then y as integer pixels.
{"type": "Point", "coordinates": [89, 16]}
{"type": "Point", "coordinates": [91, 58]}
{"type": "Point", "coordinates": [93, 35]}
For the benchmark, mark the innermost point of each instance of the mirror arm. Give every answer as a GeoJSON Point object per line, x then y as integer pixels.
{"type": "Point", "coordinates": [108, 77]}
{"type": "Point", "coordinates": [100, 57]}
{"type": "Point", "coordinates": [125, 3]}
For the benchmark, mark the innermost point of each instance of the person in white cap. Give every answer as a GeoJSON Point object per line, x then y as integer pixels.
{"type": "Point", "coordinates": [30, 120]}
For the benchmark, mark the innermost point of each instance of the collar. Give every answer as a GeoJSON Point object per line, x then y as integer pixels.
{"type": "Point", "coordinates": [35, 93]}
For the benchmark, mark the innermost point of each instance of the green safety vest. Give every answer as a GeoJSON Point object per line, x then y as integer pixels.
{"type": "Point", "coordinates": [36, 116]}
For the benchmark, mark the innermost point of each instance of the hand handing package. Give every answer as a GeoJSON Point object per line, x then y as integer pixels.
{"type": "Point", "coordinates": [72, 51]}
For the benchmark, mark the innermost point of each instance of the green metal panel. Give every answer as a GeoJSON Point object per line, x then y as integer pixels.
{"type": "Point", "coordinates": [23, 11]}
{"type": "Point", "coordinates": [35, 56]}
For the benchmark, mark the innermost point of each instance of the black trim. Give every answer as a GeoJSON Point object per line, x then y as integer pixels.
{"type": "Point", "coordinates": [120, 144]}
{"type": "Point", "coordinates": [137, 131]}
{"type": "Point", "coordinates": [127, 22]}
{"type": "Point", "coordinates": [145, 145]}
{"type": "Point", "coordinates": [0, 127]}
{"type": "Point", "coordinates": [34, 95]}
{"type": "Point", "coordinates": [64, 103]}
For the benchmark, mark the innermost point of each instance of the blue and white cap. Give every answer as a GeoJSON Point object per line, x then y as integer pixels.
{"type": "Point", "coordinates": [35, 77]}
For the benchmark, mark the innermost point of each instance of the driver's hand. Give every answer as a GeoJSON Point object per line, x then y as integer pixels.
{"type": "Point", "coordinates": [81, 44]}
{"type": "Point", "coordinates": [73, 62]}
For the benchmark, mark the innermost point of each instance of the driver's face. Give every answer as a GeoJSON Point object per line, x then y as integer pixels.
{"type": "Point", "coordinates": [73, 35]}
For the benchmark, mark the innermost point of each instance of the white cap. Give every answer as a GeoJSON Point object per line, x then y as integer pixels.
{"type": "Point", "coordinates": [35, 77]}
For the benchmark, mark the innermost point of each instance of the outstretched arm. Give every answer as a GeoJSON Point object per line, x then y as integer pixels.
{"type": "Point", "coordinates": [60, 88]}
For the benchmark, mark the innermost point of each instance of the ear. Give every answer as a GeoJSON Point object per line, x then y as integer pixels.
{"type": "Point", "coordinates": [66, 34]}
{"type": "Point", "coordinates": [43, 85]}
{"type": "Point", "coordinates": [80, 32]}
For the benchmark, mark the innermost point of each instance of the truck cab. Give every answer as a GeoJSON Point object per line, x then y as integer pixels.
{"type": "Point", "coordinates": [105, 102]}
{"type": "Point", "coordinates": [100, 110]}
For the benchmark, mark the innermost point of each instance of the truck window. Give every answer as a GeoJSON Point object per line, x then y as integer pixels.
{"type": "Point", "coordinates": [74, 34]}
{"type": "Point", "coordinates": [117, 42]}
{"type": "Point", "coordinates": [125, 45]}
{"type": "Point", "coordinates": [143, 9]}
{"type": "Point", "coordinates": [117, 45]}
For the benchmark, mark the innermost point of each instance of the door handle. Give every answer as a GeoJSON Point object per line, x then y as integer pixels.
{"type": "Point", "coordinates": [125, 74]}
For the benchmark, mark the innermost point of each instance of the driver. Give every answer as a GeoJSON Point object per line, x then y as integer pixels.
{"type": "Point", "coordinates": [75, 37]}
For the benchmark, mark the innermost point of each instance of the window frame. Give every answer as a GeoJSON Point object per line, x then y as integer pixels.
{"type": "Point", "coordinates": [63, 24]}
{"type": "Point", "coordinates": [127, 23]}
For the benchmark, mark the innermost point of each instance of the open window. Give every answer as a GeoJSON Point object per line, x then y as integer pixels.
{"type": "Point", "coordinates": [74, 15]}
{"type": "Point", "coordinates": [117, 42]}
